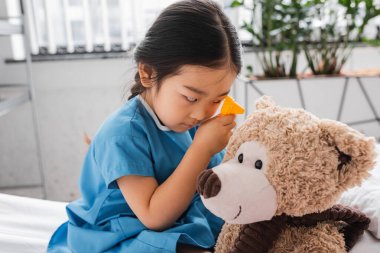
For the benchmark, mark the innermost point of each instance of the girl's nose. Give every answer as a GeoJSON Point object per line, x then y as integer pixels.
{"type": "Point", "coordinates": [200, 114]}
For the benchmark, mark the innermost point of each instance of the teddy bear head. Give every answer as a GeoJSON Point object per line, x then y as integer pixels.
{"type": "Point", "coordinates": [285, 161]}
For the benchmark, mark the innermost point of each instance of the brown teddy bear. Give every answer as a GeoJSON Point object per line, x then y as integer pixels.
{"type": "Point", "coordinates": [283, 171]}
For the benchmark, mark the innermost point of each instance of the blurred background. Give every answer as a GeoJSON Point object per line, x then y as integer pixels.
{"type": "Point", "coordinates": [65, 65]}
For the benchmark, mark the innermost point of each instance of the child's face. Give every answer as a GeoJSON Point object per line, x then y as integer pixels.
{"type": "Point", "coordinates": [191, 96]}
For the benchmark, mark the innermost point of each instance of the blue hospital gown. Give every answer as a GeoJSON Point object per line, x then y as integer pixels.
{"type": "Point", "coordinates": [131, 141]}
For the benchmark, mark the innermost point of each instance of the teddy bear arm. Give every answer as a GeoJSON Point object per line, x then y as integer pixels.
{"type": "Point", "coordinates": [259, 236]}
{"type": "Point", "coordinates": [227, 238]}
{"type": "Point", "coordinates": [325, 237]}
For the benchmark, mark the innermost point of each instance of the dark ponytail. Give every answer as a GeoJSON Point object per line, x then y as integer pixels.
{"type": "Point", "coordinates": [137, 88]}
{"type": "Point", "coordinates": [190, 32]}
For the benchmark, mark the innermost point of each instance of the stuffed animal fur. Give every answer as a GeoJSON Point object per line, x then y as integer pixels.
{"type": "Point", "coordinates": [282, 174]}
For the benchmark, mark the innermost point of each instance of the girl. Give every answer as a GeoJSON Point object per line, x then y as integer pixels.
{"type": "Point", "coordinates": [139, 176]}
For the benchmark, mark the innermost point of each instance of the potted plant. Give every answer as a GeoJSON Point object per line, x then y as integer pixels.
{"type": "Point", "coordinates": [302, 47]}
{"type": "Point", "coordinates": [279, 31]}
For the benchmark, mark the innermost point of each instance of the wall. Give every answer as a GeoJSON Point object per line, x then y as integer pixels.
{"type": "Point", "coordinates": [73, 97]}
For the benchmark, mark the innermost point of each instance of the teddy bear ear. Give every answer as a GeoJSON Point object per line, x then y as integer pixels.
{"type": "Point", "coordinates": [265, 102]}
{"type": "Point", "coordinates": [355, 153]}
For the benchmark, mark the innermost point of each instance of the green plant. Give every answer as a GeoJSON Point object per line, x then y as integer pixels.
{"type": "Point", "coordinates": [354, 10]}
{"type": "Point", "coordinates": [280, 30]}
{"type": "Point", "coordinates": [290, 26]}
{"type": "Point", "coordinates": [375, 42]}
{"type": "Point", "coordinates": [328, 53]}
{"type": "Point", "coordinates": [325, 57]}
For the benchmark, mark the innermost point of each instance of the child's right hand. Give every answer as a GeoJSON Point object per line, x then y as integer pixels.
{"type": "Point", "coordinates": [212, 135]}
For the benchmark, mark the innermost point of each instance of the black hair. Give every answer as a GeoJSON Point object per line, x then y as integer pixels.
{"type": "Point", "coordinates": [190, 32]}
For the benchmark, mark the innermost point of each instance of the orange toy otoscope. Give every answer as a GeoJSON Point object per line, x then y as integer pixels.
{"type": "Point", "coordinates": [230, 106]}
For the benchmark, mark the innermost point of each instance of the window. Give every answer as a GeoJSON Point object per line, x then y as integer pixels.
{"type": "Point", "coordinates": [92, 26]}
{"type": "Point", "coordinates": [84, 26]}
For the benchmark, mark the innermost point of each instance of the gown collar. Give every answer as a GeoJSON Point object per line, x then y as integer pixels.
{"type": "Point", "coordinates": [183, 140]}
{"type": "Point", "coordinates": [153, 115]}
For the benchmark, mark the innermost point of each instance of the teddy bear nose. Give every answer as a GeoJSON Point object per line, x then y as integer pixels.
{"type": "Point", "coordinates": [209, 184]}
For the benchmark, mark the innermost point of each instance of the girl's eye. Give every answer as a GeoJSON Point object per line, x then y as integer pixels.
{"type": "Point", "coordinates": [217, 102]}
{"type": "Point", "coordinates": [191, 99]}
{"type": "Point", "coordinates": [240, 158]}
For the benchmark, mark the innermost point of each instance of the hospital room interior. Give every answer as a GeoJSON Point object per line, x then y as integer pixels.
{"type": "Point", "coordinates": [67, 65]}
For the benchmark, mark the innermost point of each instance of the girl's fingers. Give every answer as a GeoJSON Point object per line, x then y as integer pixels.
{"type": "Point", "coordinates": [230, 125]}
{"type": "Point", "coordinates": [227, 119]}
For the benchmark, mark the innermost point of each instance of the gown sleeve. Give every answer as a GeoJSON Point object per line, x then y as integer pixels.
{"type": "Point", "coordinates": [124, 155]}
{"type": "Point", "coordinates": [216, 159]}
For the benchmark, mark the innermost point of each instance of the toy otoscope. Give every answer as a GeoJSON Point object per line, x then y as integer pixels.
{"type": "Point", "coordinates": [230, 106]}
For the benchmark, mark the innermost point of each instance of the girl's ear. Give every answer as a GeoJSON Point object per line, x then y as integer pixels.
{"type": "Point", "coordinates": [146, 73]}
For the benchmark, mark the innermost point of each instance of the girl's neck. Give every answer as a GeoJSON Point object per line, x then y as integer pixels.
{"type": "Point", "coordinates": [148, 100]}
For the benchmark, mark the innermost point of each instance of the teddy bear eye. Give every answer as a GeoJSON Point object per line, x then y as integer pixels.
{"type": "Point", "coordinates": [240, 158]}
{"type": "Point", "coordinates": [258, 164]}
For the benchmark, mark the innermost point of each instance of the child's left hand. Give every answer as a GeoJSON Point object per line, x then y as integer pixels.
{"type": "Point", "coordinates": [212, 135]}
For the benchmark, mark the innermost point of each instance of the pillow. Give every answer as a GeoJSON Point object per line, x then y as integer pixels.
{"type": "Point", "coordinates": [366, 197]}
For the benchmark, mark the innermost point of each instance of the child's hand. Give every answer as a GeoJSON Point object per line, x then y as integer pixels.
{"type": "Point", "coordinates": [212, 136]}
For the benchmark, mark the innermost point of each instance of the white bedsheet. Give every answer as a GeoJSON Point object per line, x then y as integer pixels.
{"type": "Point", "coordinates": [367, 244]}
{"type": "Point", "coordinates": [26, 225]}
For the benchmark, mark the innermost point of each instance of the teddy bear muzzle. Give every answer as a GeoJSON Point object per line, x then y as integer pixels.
{"type": "Point", "coordinates": [237, 192]}
{"type": "Point", "coordinates": [209, 184]}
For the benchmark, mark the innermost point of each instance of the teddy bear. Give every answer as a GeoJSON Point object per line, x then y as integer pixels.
{"type": "Point", "coordinates": [283, 171]}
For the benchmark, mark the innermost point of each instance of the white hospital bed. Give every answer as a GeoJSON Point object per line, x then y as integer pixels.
{"type": "Point", "coordinates": [26, 224]}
